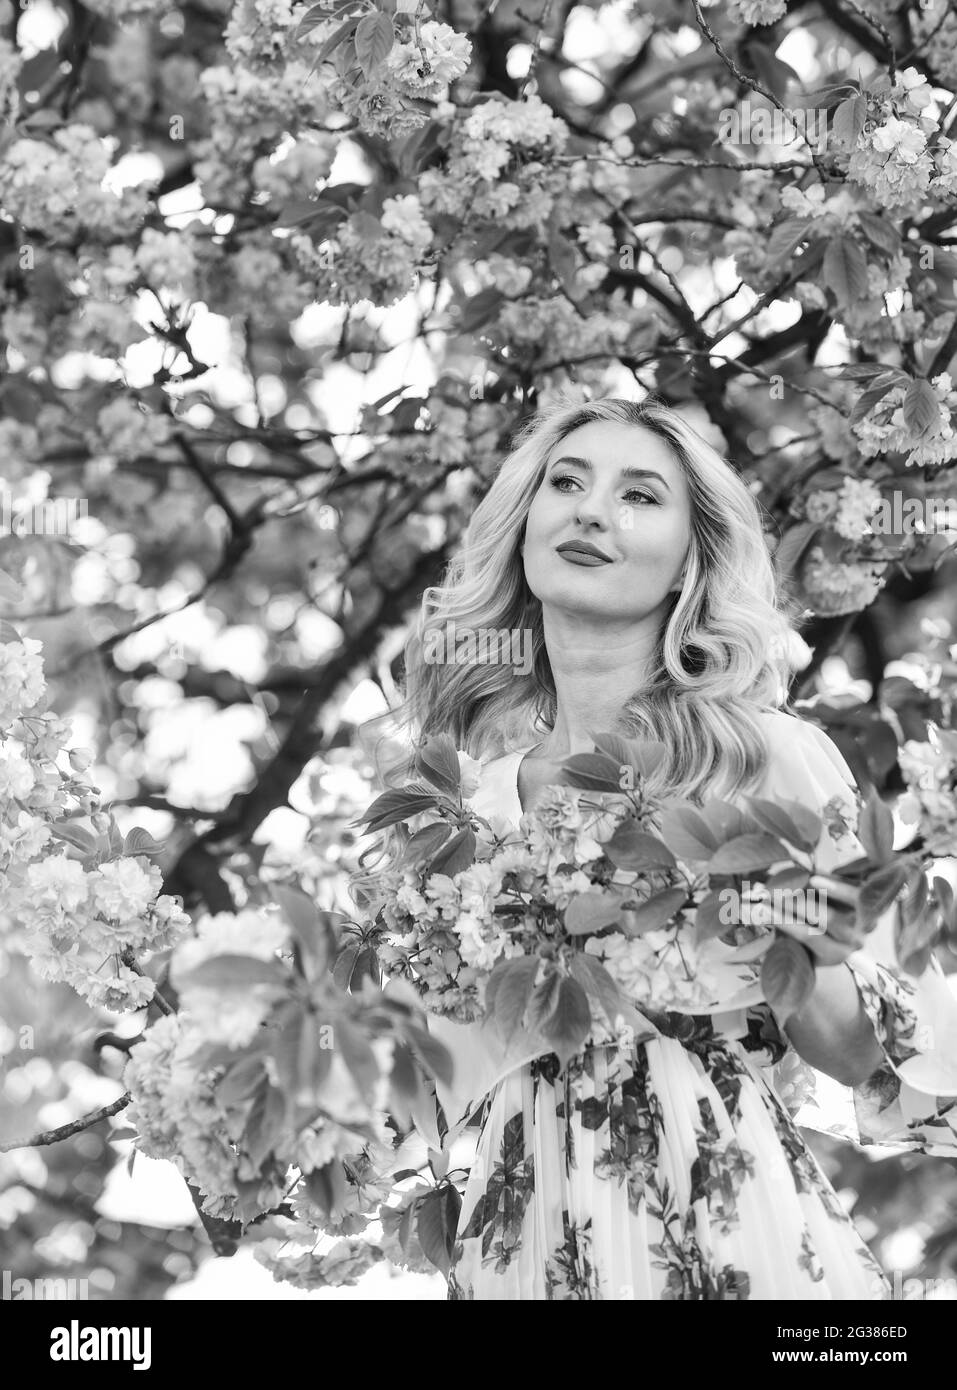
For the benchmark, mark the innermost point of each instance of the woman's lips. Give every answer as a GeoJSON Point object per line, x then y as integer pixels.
{"type": "Point", "coordinates": [580, 557]}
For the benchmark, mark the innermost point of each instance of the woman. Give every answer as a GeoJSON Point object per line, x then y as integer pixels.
{"type": "Point", "coordinates": [632, 557]}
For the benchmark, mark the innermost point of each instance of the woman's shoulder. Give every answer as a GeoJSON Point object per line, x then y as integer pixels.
{"type": "Point", "coordinates": [799, 750]}
{"type": "Point", "coordinates": [790, 728]}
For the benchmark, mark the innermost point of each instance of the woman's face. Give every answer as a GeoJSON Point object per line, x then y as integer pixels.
{"type": "Point", "coordinates": [619, 488]}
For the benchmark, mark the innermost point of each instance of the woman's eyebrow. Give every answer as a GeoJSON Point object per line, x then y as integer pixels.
{"type": "Point", "coordinates": [625, 472]}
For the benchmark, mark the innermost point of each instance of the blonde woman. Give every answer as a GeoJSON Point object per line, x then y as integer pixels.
{"type": "Point", "coordinates": [633, 557]}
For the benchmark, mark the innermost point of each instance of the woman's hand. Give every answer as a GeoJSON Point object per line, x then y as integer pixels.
{"type": "Point", "coordinates": [831, 932]}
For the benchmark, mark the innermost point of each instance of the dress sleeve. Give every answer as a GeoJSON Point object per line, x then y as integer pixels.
{"type": "Point", "coordinates": [910, 1100]}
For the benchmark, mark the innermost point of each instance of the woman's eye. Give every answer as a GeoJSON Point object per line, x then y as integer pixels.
{"type": "Point", "coordinates": [634, 494]}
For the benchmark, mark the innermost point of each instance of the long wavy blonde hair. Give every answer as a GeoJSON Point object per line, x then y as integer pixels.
{"type": "Point", "coordinates": [722, 650]}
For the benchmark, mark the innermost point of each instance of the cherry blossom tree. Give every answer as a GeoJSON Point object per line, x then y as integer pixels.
{"type": "Point", "coordinates": [219, 220]}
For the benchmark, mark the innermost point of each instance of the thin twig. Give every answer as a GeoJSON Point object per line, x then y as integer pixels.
{"type": "Point", "coordinates": [536, 48]}
{"type": "Point", "coordinates": [129, 961]}
{"type": "Point", "coordinates": [753, 83]}
{"type": "Point", "coordinates": [53, 1136]}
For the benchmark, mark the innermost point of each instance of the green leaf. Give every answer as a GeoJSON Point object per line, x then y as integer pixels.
{"type": "Point", "coordinates": [264, 1124]}
{"type": "Point", "coordinates": [310, 928]}
{"type": "Point", "coordinates": [418, 148]}
{"type": "Point", "coordinates": [791, 878]}
{"type": "Point", "coordinates": [845, 271]}
{"type": "Point", "coordinates": [590, 912]}
{"type": "Point", "coordinates": [313, 1061]}
{"type": "Point", "coordinates": [879, 890]}
{"type": "Point", "coordinates": [424, 843]}
{"type": "Point", "coordinates": [545, 997]}
{"type": "Point", "coordinates": [434, 1055]}
{"type": "Point", "coordinates": [8, 633]}
{"type": "Point", "coordinates": [375, 36]}
{"type": "Point", "coordinates": [327, 1186]}
{"type": "Point", "coordinates": [563, 259]}
{"type": "Point", "coordinates": [437, 761]}
{"type": "Point", "coordinates": [654, 913]}
{"type": "Point", "coordinates": [355, 1050]}
{"type": "Point", "coordinates": [479, 309]}
{"type": "Point", "coordinates": [747, 852]}
{"type": "Point", "coordinates": [404, 1079]}
{"type": "Point", "coordinates": [140, 841]}
{"type": "Point", "coordinates": [592, 772]}
{"type": "Point", "coordinates": [345, 965]}
{"type": "Point", "coordinates": [944, 895]}
{"type": "Point", "coordinates": [632, 848]}
{"type": "Point", "coordinates": [367, 967]}
{"type": "Point", "coordinates": [875, 393]}
{"type": "Point", "coordinates": [641, 758]}
{"type": "Point", "coordinates": [10, 590]}
{"type": "Point", "coordinates": [318, 15]}
{"type": "Point", "coordinates": [848, 121]}
{"type": "Point", "coordinates": [875, 828]}
{"type": "Point", "coordinates": [787, 977]}
{"type": "Point", "coordinates": [861, 371]}
{"type": "Point", "coordinates": [248, 1074]}
{"type": "Point", "coordinates": [397, 804]}
{"type": "Point", "coordinates": [75, 835]}
{"type": "Point", "coordinates": [456, 855]}
{"type": "Point", "coordinates": [883, 235]}
{"type": "Point", "coordinates": [436, 1219]}
{"type": "Point", "coordinates": [337, 37]}
{"type": "Point", "coordinates": [792, 546]}
{"type": "Point", "coordinates": [570, 1023]}
{"type": "Point", "coordinates": [499, 971]}
{"type": "Point", "coordinates": [318, 214]}
{"type": "Point", "coordinates": [709, 917]}
{"type": "Point", "coordinates": [921, 407]}
{"type": "Point", "coordinates": [595, 979]}
{"type": "Point", "coordinates": [786, 237]}
{"type": "Point", "coordinates": [687, 832]}
{"type": "Point", "coordinates": [233, 972]}
{"type": "Point", "coordinates": [917, 929]}
{"type": "Point", "coordinates": [513, 993]}
{"type": "Point", "coordinates": [788, 820]}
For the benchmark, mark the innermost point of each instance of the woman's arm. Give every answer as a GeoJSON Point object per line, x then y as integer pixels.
{"type": "Point", "coordinates": [832, 1031]}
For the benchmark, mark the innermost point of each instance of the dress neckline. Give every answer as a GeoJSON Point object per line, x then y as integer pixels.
{"type": "Point", "coordinates": [508, 768]}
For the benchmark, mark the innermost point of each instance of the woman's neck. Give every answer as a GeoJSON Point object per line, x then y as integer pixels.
{"type": "Point", "coordinates": [596, 671]}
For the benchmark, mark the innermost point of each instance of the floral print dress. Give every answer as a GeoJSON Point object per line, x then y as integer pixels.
{"type": "Point", "coordinates": [674, 1168]}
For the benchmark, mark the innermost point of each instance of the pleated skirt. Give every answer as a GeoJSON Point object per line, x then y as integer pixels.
{"type": "Point", "coordinates": [653, 1172]}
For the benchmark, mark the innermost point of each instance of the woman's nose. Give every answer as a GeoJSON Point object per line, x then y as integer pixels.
{"type": "Point", "coordinates": [593, 510]}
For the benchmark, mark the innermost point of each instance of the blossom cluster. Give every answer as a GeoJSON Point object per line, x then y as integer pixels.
{"type": "Point", "coordinates": [80, 920]}
{"type": "Point", "coordinates": [498, 165]}
{"type": "Point", "coordinates": [389, 102]}
{"type": "Point", "coordinates": [214, 1089]}
{"type": "Point", "coordinates": [840, 585]}
{"type": "Point", "coordinates": [849, 510]}
{"type": "Point", "coordinates": [530, 893]}
{"type": "Point", "coordinates": [929, 770]}
{"type": "Point", "coordinates": [57, 186]}
{"type": "Point", "coordinates": [884, 429]}
{"type": "Point", "coordinates": [893, 157]}
{"type": "Point", "coordinates": [368, 258]}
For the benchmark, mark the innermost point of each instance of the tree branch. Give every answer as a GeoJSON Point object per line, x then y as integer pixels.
{"type": "Point", "coordinates": [53, 1136]}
